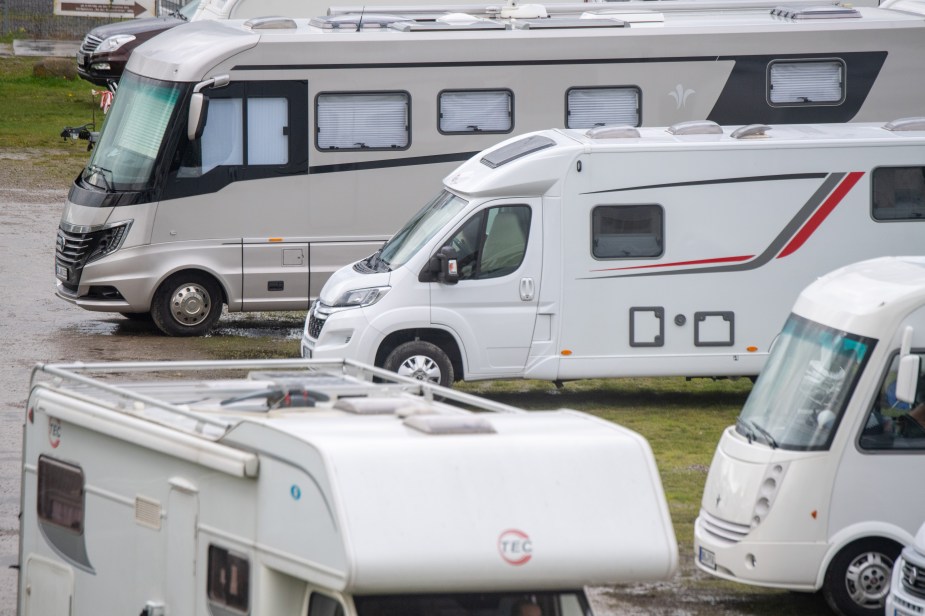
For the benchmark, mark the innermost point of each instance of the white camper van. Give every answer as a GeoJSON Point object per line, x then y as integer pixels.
{"type": "Point", "coordinates": [623, 252]}
{"type": "Point", "coordinates": [243, 162]}
{"type": "Point", "coordinates": [294, 488]}
{"type": "Point", "coordinates": [818, 484]}
{"type": "Point", "coordinates": [907, 587]}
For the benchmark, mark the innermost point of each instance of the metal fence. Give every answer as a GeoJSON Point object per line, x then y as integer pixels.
{"type": "Point", "coordinates": [36, 19]}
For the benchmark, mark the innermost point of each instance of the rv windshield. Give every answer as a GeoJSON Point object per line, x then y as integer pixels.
{"type": "Point", "coordinates": [133, 134]}
{"type": "Point", "coordinates": [419, 230]}
{"type": "Point", "coordinates": [572, 603]}
{"type": "Point", "coordinates": [798, 400]}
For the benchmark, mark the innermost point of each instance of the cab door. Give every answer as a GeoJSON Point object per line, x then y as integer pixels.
{"type": "Point", "coordinates": [492, 309]}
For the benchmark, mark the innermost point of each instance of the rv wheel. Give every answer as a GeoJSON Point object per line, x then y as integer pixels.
{"type": "Point", "coordinates": [421, 360]}
{"type": "Point", "coordinates": [187, 304]}
{"type": "Point", "coordinates": [858, 578]}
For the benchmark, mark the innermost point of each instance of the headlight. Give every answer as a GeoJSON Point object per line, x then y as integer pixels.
{"type": "Point", "coordinates": [360, 297]}
{"type": "Point", "coordinates": [114, 42]}
{"type": "Point", "coordinates": [109, 240]}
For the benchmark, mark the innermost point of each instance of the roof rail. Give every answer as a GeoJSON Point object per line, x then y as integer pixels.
{"type": "Point", "coordinates": [696, 127]}
{"type": "Point", "coordinates": [903, 124]}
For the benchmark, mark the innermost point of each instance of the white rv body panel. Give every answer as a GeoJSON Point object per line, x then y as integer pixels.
{"type": "Point", "coordinates": [313, 478]}
{"type": "Point", "coordinates": [833, 512]}
{"type": "Point", "coordinates": [740, 227]}
{"type": "Point", "coordinates": [312, 196]}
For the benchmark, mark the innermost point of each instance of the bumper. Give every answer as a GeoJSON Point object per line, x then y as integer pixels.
{"type": "Point", "coordinates": [344, 334]}
{"type": "Point", "coordinates": [793, 566]}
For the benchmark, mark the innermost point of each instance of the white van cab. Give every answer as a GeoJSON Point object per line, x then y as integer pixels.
{"type": "Point", "coordinates": [617, 251]}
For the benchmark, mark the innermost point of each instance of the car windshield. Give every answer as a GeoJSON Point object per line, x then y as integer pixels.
{"type": "Point", "coordinates": [798, 401]}
{"type": "Point", "coordinates": [433, 217]}
{"type": "Point", "coordinates": [133, 134]}
{"type": "Point", "coordinates": [476, 604]}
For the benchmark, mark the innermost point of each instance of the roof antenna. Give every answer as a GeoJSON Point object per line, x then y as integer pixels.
{"type": "Point", "coordinates": [360, 23]}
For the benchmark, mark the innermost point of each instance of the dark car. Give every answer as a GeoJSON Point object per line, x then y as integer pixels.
{"type": "Point", "coordinates": [105, 50]}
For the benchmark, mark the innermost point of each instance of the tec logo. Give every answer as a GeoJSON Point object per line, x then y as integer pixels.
{"type": "Point", "coordinates": [515, 547]}
{"type": "Point", "coordinates": [54, 432]}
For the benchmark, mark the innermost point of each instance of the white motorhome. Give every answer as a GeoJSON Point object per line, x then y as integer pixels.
{"type": "Point", "coordinates": [319, 139]}
{"type": "Point", "coordinates": [624, 252]}
{"type": "Point", "coordinates": [907, 587]}
{"type": "Point", "coordinates": [817, 484]}
{"type": "Point", "coordinates": [293, 488]}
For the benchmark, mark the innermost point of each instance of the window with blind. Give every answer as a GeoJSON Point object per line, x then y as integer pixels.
{"type": "Point", "coordinates": [806, 82]}
{"type": "Point", "coordinates": [362, 121]}
{"type": "Point", "coordinates": [476, 111]}
{"type": "Point", "coordinates": [590, 107]}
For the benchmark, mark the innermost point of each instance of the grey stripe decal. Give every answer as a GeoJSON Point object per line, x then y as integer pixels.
{"type": "Point", "coordinates": [776, 245]}
{"type": "Point", "coordinates": [756, 178]}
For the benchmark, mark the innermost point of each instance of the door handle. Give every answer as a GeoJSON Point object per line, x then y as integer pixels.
{"type": "Point", "coordinates": [527, 289]}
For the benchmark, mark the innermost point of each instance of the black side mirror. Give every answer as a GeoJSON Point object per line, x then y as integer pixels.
{"type": "Point", "coordinates": [449, 269]}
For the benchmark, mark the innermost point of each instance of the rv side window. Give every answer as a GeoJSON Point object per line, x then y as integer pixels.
{"type": "Point", "coordinates": [590, 107]}
{"type": "Point", "coordinates": [898, 193]}
{"type": "Point", "coordinates": [492, 243]}
{"type": "Point", "coordinates": [323, 605]}
{"type": "Point", "coordinates": [363, 121]}
{"type": "Point", "coordinates": [476, 111]}
{"type": "Point", "coordinates": [229, 579]}
{"type": "Point", "coordinates": [61, 494]}
{"type": "Point", "coordinates": [806, 82]}
{"type": "Point", "coordinates": [627, 231]}
{"type": "Point", "coordinates": [894, 425]}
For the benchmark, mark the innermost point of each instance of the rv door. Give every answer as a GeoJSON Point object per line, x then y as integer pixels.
{"type": "Point", "coordinates": [492, 308]}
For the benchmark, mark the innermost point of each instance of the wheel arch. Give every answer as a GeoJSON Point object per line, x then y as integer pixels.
{"type": "Point", "coordinates": [440, 337]}
{"type": "Point", "coordinates": [859, 532]}
{"type": "Point", "coordinates": [219, 280]}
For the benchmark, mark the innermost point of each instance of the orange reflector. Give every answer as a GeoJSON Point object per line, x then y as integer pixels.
{"type": "Point", "coordinates": [275, 239]}
{"type": "Point", "coordinates": [751, 349]}
{"type": "Point", "coordinates": [813, 514]}
{"type": "Point", "coordinates": [566, 352]}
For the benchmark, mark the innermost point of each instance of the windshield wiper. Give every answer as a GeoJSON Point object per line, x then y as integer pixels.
{"type": "Point", "coordinates": [751, 427]}
{"type": "Point", "coordinates": [101, 172]}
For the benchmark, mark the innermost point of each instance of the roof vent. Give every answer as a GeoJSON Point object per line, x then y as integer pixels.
{"type": "Point", "coordinates": [696, 127]}
{"type": "Point", "coordinates": [903, 124]}
{"type": "Point", "coordinates": [513, 151]}
{"type": "Point", "coordinates": [612, 132]}
{"type": "Point", "coordinates": [524, 11]}
{"type": "Point", "coordinates": [270, 23]}
{"type": "Point", "coordinates": [371, 406]}
{"type": "Point", "coordinates": [450, 424]}
{"type": "Point", "coordinates": [815, 12]}
{"type": "Point", "coordinates": [752, 131]}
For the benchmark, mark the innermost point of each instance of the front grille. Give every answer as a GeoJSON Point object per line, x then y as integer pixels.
{"type": "Point", "coordinates": [722, 529]}
{"type": "Point", "coordinates": [73, 250]}
{"type": "Point", "coordinates": [314, 326]}
{"type": "Point", "coordinates": [913, 578]}
{"type": "Point", "coordinates": [90, 43]}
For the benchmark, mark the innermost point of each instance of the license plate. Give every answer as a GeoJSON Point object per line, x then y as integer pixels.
{"type": "Point", "coordinates": [707, 558]}
{"type": "Point", "coordinates": [61, 272]}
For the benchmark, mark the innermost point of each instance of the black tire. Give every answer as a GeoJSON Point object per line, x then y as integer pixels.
{"type": "Point", "coordinates": [421, 360]}
{"type": "Point", "coordinates": [141, 317]}
{"type": "Point", "coordinates": [187, 304]}
{"type": "Point", "coordinates": [858, 578]}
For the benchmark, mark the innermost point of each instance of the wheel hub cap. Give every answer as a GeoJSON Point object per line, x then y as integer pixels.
{"type": "Point", "coordinates": [868, 579]}
{"type": "Point", "coordinates": [420, 367]}
{"type": "Point", "coordinates": [191, 304]}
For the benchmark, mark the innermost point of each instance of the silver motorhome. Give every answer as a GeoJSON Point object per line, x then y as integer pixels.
{"type": "Point", "coordinates": [243, 162]}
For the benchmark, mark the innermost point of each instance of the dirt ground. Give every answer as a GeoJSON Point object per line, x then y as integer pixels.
{"type": "Point", "coordinates": [35, 326]}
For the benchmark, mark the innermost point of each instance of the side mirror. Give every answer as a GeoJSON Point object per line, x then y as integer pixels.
{"type": "Point", "coordinates": [907, 378]}
{"type": "Point", "coordinates": [199, 106]}
{"type": "Point", "coordinates": [448, 272]}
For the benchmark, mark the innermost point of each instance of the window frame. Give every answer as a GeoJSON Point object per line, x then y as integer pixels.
{"type": "Point", "coordinates": [510, 94]}
{"type": "Point", "coordinates": [657, 206]}
{"type": "Point", "coordinates": [214, 569]}
{"type": "Point", "coordinates": [844, 82]}
{"type": "Point", "coordinates": [482, 216]}
{"type": "Point", "coordinates": [44, 501]}
{"type": "Point", "coordinates": [873, 185]}
{"type": "Point", "coordinates": [867, 448]}
{"type": "Point", "coordinates": [637, 89]}
{"type": "Point", "coordinates": [408, 118]}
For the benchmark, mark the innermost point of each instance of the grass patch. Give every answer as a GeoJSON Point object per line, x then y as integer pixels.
{"type": "Point", "coordinates": [35, 109]}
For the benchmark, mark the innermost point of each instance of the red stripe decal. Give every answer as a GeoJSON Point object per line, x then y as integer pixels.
{"type": "Point", "coordinates": [680, 263]}
{"type": "Point", "coordinates": [821, 214]}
